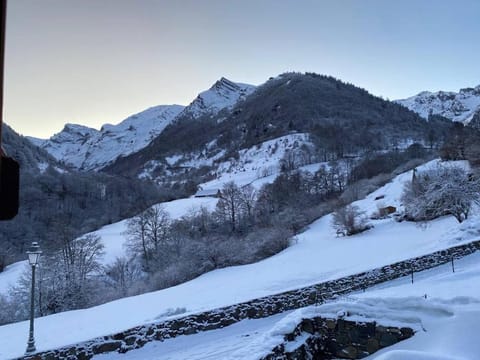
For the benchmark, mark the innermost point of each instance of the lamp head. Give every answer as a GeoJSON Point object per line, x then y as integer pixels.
{"type": "Point", "coordinates": [34, 254]}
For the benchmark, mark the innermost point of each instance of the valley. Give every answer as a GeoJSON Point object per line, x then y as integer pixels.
{"type": "Point", "coordinates": [235, 197]}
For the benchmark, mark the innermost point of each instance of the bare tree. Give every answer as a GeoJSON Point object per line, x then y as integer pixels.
{"type": "Point", "coordinates": [147, 233]}
{"type": "Point", "coordinates": [137, 238]}
{"type": "Point", "coordinates": [229, 207]}
{"type": "Point", "coordinates": [66, 279]}
{"type": "Point", "coordinates": [248, 197]}
{"type": "Point", "coordinates": [158, 223]}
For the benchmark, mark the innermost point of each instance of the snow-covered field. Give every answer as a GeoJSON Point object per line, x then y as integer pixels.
{"type": "Point", "coordinates": [442, 307]}
{"type": "Point", "coordinates": [315, 255]}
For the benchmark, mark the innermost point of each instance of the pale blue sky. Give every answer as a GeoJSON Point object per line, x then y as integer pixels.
{"type": "Point", "coordinates": [98, 61]}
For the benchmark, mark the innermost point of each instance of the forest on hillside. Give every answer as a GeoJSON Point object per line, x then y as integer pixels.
{"type": "Point", "coordinates": [56, 200]}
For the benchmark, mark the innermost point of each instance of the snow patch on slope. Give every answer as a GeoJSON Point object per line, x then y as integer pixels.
{"type": "Point", "coordinates": [262, 161]}
{"type": "Point", "coordinates": [256, 165]}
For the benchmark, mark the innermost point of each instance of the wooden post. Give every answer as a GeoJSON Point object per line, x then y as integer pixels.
{"type": "Point", "coordinates": [453, 265]}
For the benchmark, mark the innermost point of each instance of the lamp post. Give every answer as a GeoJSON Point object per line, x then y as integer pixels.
{"type": "Point", "coordinates": [33, 256]}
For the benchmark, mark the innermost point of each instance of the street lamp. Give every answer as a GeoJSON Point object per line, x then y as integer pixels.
{"type": "Point", "coordinates": [33, 256]}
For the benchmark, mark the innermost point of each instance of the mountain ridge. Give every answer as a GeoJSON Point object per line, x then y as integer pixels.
{"type": "Point", "coordinates": [458, 106]}
{"type": "Point", "coordinates": [340, 117]}
{"type": "Point", "coordinates": [84, 148]}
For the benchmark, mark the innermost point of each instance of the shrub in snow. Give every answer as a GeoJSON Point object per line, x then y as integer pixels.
{"type": "Point", "coordinates": [349, 220]}
{"type": "Point", "coordinates": [441, 191]}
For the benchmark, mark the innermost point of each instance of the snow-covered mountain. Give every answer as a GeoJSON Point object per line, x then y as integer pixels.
{"type": "Point", "coordinates": [89, 149]}
{"type": "Point", "coordinates": [85, 148]}
{"type": "Point", "coordinates": [461, 106]}
{"type": "Point", "coordinates": [291, 103]}
{"type": "Point", "coordinates": [223, 94]}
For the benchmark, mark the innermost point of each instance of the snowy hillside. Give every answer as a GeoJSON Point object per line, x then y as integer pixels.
{"type": "Point", "coordinates": [261, 163]}
{"type": "Point", "coordinates": [223, 94]}
{"type": "Point", "coordinates": [256, 165]}
{"type": "Point", "coordinates": [446, 322]}
{"type": "Point", "coordinates": [89, 149]}
{"type": "Point", "coordinates": [315, 255]}
{"type": "Point", "coordinates": [113, 238]}
{"type": "Point", "coordinates": [460, 106]}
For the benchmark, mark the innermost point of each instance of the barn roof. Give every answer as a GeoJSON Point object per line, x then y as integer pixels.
{"type": "Point", "coordinates": [207, 192]}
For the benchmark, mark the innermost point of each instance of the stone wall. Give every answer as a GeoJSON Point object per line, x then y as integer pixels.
{"type": "Point", "coordinates": [337, 339]}
{"type": "Point", "coordinates": [262, 307]}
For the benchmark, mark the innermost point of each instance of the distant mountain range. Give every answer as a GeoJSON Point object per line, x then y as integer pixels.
{"type": "Point", "coordinates": [338, 118]}
{"type": "Point", "coordinates": [461, 106]}
{"type": "Point", "coordinates": [84, 148]}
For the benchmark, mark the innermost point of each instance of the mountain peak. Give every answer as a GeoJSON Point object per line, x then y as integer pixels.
{"type": "Point", "coordinates": [224, 93]}
{"type": "Point", "coordinates": [69, 127]}
{"type": "Point", "coordinates": [472, 91]}
{"type": "Point", "coordinates": [225, 83]}
{"type": "Point", "coordinates": [72, 133]}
